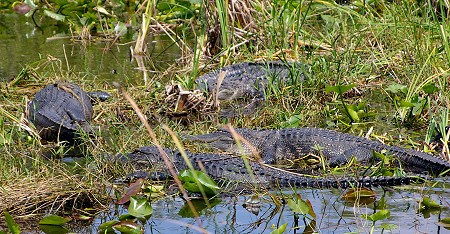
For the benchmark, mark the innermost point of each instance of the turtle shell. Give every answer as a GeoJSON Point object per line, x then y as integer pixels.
{"type": "Point", "coordinates": [59, 110]}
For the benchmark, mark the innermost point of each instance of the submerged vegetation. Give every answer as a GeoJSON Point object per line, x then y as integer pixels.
{"type": "Point", "coordinates": [380, 69]}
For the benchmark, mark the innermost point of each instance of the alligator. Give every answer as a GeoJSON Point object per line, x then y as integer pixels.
{"type": "Point", "coordinates": [277, 146]}
{"type": "Point", "coordinates": [228, 169]}
{"type": "Point", "coordinates": [59, 110]}
{"type": "Point", "coordinates": [248, 80]}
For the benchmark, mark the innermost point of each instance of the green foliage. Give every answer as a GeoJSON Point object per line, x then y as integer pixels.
{"type": "Point", "coordinates": [444, 222]}
{"type": "Point", "coordinates": [140, 208]}
{"type": "Point", "coordinates": [54, 220]}
{"type": "Point", "coordinates": [427, 203]}
{"type": "Point", "coordinates": [199, 206]}
{"type": "Point", "coordinates": [280, 230]}
{"type": "Point", "coordinates": [380, 215]}
{"type": "Point", "coordinates": [410, 105]}
{"type": "Point", "coordinates": [196, 182]}
{"type": "Point", "coordinates": [353, 112]}
{"type": "Point", "coordinates": [13, 227]}
{"type": "Point", "coordinates": [300, 206]}
{"type": "Point", "coordinates": [54, 224]}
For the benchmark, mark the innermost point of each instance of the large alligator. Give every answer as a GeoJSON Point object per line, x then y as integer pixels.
{"type": "Point", "coordinates": [230, 169]}
{"type": "Point", "coordinates": [249, 79]}
{"type": "Point", "coordinates": [276, 146]}
{"type": "Point", "coordinates": [59, 110]}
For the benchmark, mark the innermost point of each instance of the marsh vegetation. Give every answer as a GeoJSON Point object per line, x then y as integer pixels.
{"type": "Point", "coordinates": [379, 69]}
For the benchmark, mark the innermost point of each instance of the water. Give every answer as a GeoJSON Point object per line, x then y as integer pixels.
{"type": "Point", "coordinates": [334, 215]}
{"type": "Point", "coordinates": [22, 44]}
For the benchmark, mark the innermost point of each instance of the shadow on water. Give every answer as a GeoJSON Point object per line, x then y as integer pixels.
{"type": "Point", "coordinates": [22, 44]}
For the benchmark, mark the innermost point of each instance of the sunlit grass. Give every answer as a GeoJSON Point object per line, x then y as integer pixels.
{"type": "Point", "coordinates": [370, 46]}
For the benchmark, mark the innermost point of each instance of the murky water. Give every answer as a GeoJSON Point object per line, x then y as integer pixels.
{"type": "Point", "coordinates": [334, 215]}
{"type": "Point", "coordinates": [21, 44]}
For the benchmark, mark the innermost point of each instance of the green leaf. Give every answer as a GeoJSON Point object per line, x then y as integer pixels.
{"type": "Point", "coordinates": [107, 227]}
{"type": "Point", "coordinates": [298, 206]}
{"type": "Point", "coordinates": [127, 217]}
{"type": "Point", "coordinates": [279, 230]}
{"type": "Point", "coordinates": [359, 193]}
{"type": "Point", "coordinates": [140, 208]}
{"type": "Point", "coordinates": [388, 226]}
{"type": "Point", "coordinates": [191, 184]}
{"type": "Point", "coordinates": [394, 88]}
{"type": "Point", "coordinates": [12, 226]}
{"type": "Point", "coordinates": [199, 205]}
{"type": "Point", "coordinates": [54, 220]}
{"type": "Point", "coordinates": [382, 214]}
{"type": "Point", "coordinates": [102, 10]}
{"type": "Point", "coordinates": [404, 103]}
{"type": "Point", "coordinates": [293, 122]}
{"type": "Point", "coordinates": [430, 204]}
{"type": "Point", "coordinates": [445, 222]}
{"type": "Point", "coordinates": [127, 227]}
{"type": "Point", "coordinates": [353, 114]}
{"type": "Point", "coordinates": [339, 89]}
{"type": "Point", "coordinates": [53, 229]}
{"type": "Point", "coordinates": [430, 88]}
{"type": "Point", "coordinates": [54, 15]}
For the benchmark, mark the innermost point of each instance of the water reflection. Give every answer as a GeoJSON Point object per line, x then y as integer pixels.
{"type": "Point", "coordinates": [21, 44]}
{"type": "Point", "coordinates": [334, 215]}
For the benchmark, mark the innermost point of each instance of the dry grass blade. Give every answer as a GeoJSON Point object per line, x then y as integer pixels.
{"type": "Point", "coordinates": [220, 79]}
{"type": "Point", "coordinates": [163, 154]}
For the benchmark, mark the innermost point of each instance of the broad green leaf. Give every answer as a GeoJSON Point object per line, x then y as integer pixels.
{"type": "Point", "coordinates": [382, 214]}
{"type": "Point", "coordinates": [430, 88]}
{"type": "Point", "coordinates": [353, 114]}
{"type": "Point", "coordinates": [53, 229]}
{"type": "Point", "coordinates": [279, 230]}
{"type": "Point", "coordinates": [388, 226]}
{"type": "Point", "coordinates": [140, 207]}
{"type": "Point", "coordinates": [191, 184]}
{"type": "Point", "coordinates": [12, 226]}
{"type": "Point", "coordinates": [107, 227]}
{"type": "Point", "coordinates": [127, 217]}
{"type": "Point", "coordinates": [102, 10]}
{"type": "Point", "coordinates": [359, 193]}
{"type": "Point", "coordinates": [445, 222]}
{"type": "Point", "coordinates": [199, 205]}
{"type": "Point", "coordinates": [339, 89]}
{"type": "Point", "coordinates": [298, 206]}
{"type": "Point", "coordinates": [430, 204]}
{"type": "Point", "coordinates": [404, 103]}
{"type": "Point", "coordinates": [394, 88]}
{"type": "Point", "coordinates": [54, 15]}
{"type": "Point", "coordinates": [127, 227]}
{"type": "Point", "coordinates": [293, 122]}
{"type": "Point", "coordinates": [54, 220]}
